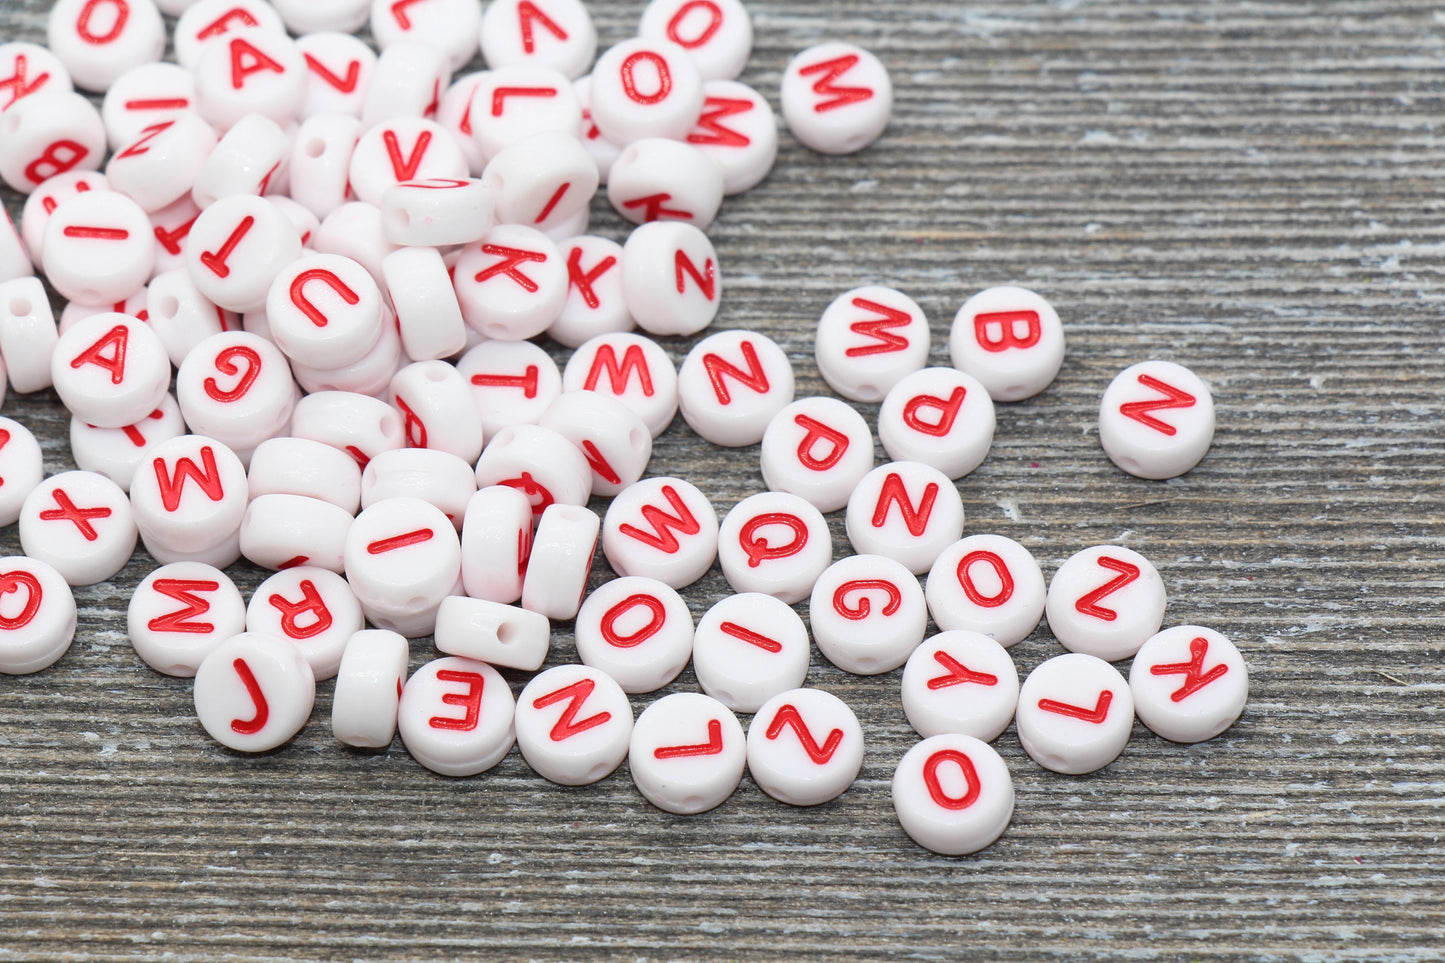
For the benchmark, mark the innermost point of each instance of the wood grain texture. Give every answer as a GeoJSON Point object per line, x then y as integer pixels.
{"type": "Point", "coordinates": [1249, 188]}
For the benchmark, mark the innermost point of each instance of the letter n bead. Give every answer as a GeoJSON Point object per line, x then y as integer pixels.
{"type": "Point", "coordinates": [1156, 420]}
{"type": "Point", "coordinates": [574, 724]}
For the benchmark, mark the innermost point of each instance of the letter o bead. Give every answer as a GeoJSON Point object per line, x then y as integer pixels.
{"type": "Point", "coordinates": [456, 716]}
{"type": "Point", "coordinates": [37, 615]}
{"type": "Point", "coordinates": [1189, 683]}
{"type": "Point", "coordinates": [637, 630]}
{"type": "Point", "coordinates": [988, 584]}
{"type": "Point", "coordinates": [1156, 420]}
{"type": "Point", "coordinates": [574, 724]}
{"type": "Point", "coordinates": [953, 794]}
{"type": "Point", "coordinates": [254, 692]}
{"type": "Point", "coordinates": [180, 612]}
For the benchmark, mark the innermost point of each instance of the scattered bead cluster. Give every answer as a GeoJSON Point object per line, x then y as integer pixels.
{"type": "Point", "coordinates": [343, 255]}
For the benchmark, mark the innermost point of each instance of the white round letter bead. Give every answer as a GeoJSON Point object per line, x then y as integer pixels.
{"type": "Point", "coordinates": [204, 22]}
{"type": "Point", "coordinates": [298, 466]}
{"type": "Point", "coordinates": [437, 477]}
{"type": "Point", "coordinates": [21, 468]}
{"type": "Point", "coordinates": [573, 724]}
{"type": "Point", "coordinates": [687, 753]}
{"type": "Point", "coordinates": [953, 794]}
{"type": "Point", "coordinates": [775, 544]}
{"type": "Point", "coordinates": [552, 33]}
{"type": "Point", "coordinates": [1189, 683]}
{"type": "Point", "coordinates": [645, 88]}
{"type": "Point", "coordinates": [281, 531]}
{"type": "Point", "coordinates": [1156, 420]}
{"type": "Point", "coordinates": [302, 16]}
{"type": "Point", "coordinates": [836, 98]}
{"type": "Point", "coordinates": [562, 552]}
{"type": "Point", "coordinates": [960, 681]}
{"type": "Point", "coordinates": [251, 71]}
{"type": "Point", "coordinates": [402, 150]}
{"type": "Point", "coordinates": [748, 648]}
{"type": "Point", "coordinates": [988, 584]}
{"type": "Point", "coordinates": [541, 464]}
{"type": "Point", "coordinates": [631, 368]}
{"type": "Point", "coordinates": [818, 448]}
{"type": "Point", "coordinates": [81, 524]}
{"type": "Point", "coordinates": [496, 543]}
{"type": "Point", "coordinates": [27, 333]}
{"type": "Point", "coordinates": [611, 436]}
{"type": "Point", "coordinates": [717, 34]}
{"type": "Point", "coordinates": [428, 317]}
{"type": "Point", "coordinates": [1105, 601]}
{"type": "Point", "coordinates": [657, 179]}
{"type": "Point", "coordinates": [368, 689]}
{"type": "Point", "coordinates": [37, 615]}
{"type": "Point", "coordinates": [490, 632]}
{"type": "Point", "coordinates": [662, 528]}
{"type": "Point", "coordinates": [516, 101]}
{"type": "Point", "coordinates": [512, 383]}
{"type": "Point", "coordinates": [737, 131]}
{"type": "Point", "coordinates": [1075, 714]}
{"type": "Point", "coordinates": [161, 164]}
{"type": "Point", "coordinates": [324, 311]}
{"type": "Point", "coordinates": [189, 496]}
{"type": "Point", "coordinates": [595, 302]}
{"type": "Point", "coordinates": [361, 426]}
{"type": "Point", "coordinates": [542, 180]}
{"type": "Point", "coordinates": [868, 340]}
{"type": "Point", "coordinates": [254, 692]}
{"type": "Point", "coordinates": [1010, 339]}
{"type": "Point", "coordinates": [670, 278]}
{"type": "Point", "coordinates": [237, 388]}
{"type": "Point", "coordinates": [906, 511]}
{"type": "Point", "coordinates": [320, 165]}
{"type": "Point", "coordinates": [603, 151]}
{"type": "Point", "coordinates": [637, 630]}
{"type": "Point", "coordinates": [117, 452]}
{"type": "Point", "coordinates": [436, 406]}
{"type": "Point", "coordinates": [149, 94]}
{"type": "Point", "coordinates": [98, 248]}
{"type": "Point", "coordinates": [511, 284]}
{"type": "Point", "coordinates": [237, 247]}
{"type": "Point", "coordinates": [354, 229]}
{"type": "Point", "coordinates": [938, 416]}
{"type": "Point", "coordinates": [805, 747]}
{"type": "Point", "coordinates": [250, 159]}
{"type": "Point", "coordinates": [42, 203]}
{"type": "Point", "coordinates": [731, 385]}
{"type": "Point", "coordinates": [46, 136]}
{"type": "Point", "coordinates": [455, 716]}
{"type": "Point", "coordinates": [180, 613]}
{"type": "Point", "coordinates": [403, 558]}
{"type": "Point", "coordinates": [867, 614]}
{"type": "Point", "coordinates": [28, 69]}
{"type": "Point", "coordinates": [99, 40]}
{"type": "Point", "coordinates": [312, 608]}
{"type": "Point", "coordinates": [451, 26]}
{"type": "Point", "coordinates": [437, 211]}
{"type": "Point", "coordinates": [110, 370]}
{"type": "Point", "coordinates": [338, 75]}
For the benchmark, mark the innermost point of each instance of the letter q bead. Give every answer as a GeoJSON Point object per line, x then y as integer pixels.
{"type": "Point", "coordinates": [953, 794]}
{"type": "Point", "coordinates": [687, 754]}
{"type": "Point", "coordinates": [1156, 420]}
{"type": "Point", "coordinates": [368, 689]}
{"type": "Point", "coordinates": [1105, 601]}
{"type": "Point", "coordinates": [456, 716]}
{"type": "Point", "coordinates": [574, 724]}
{"type": "Point", "coordinates": [254, 692]}
{"type": "Point", "coordinates": [776, 544]}
{"type": "Point", "coordinates": [37, 615]}
{"type": "Point", "coordinates": [1189, 683]}
{"type": "Point", "coordinates": [179, 613]}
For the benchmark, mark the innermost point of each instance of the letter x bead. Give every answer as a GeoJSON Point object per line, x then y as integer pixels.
{"type": "Point", "coordinates": [437, 410]}
{"type": "Point", "coordinates": [515, 101]}
{"type": "Point", "coordinates": [407, 81]}
{"type": "Point", "coordinates": [631, 368]}
{"type": "Point", "coordinates": [717, 34]}
{"type": "Point", "coordinates": [254, 692]}
{"type": "Point", "coordinates": [553, 33]}
{"type": "Point", "coordinates": [428, 317]}
{"type": "Point", "coordinates": [867, 614]}
{"type": "Point", "coordinates": [732, 384]}
{"type": "Point", "coordinates": [37, 615]}
{"type": "Point", "coordinates": [748, 648]}
{"type": "Point", "coordinates": [1105, 601]}
{"type": "Point", "coordinates": [110, 370]}
{"type": "Point", "coordinates": [907, 511]}
{"type": "Point", "coordinates": [1156, 420]}
{"type": "Point", "coordinates": [658, 179]}
{"type": "Point", "coordinates": [496, 543]}
{"type": "Point", "coordinates": [179, 613]}
{"type": "Point", "coordinates": [206, 22]}
{"type": "Point", "coordinates": [573, 724]}
{"type": "Point", "coordinates": [687, 753]}
{"type": "Point", "coordinates": [145, 95]}
{"type": "Point", "coordinates": [989, 584]}
{"type": "Point", "coordinates": [312, 608]}
{"type": "Point", "coordinates": [99, 40]}
{"type": "Point", "coordinates": [671, 279]}
{"type": "Point", "coordinates": [805, 747]}
{"type": "Point", "coordinates": [953, 794]}
{"type": "Point", "coordinates": [98, 248]}
{"type": "Point", "coordinates": [562, 551]}
{"type": "Point", "coordinates": [637, 630]}
{"type": "Point", "coordinates": [189, 494]}
{"type": "Point", "coordinates": [436, 477]}
{"type": "Point", "coordinates": [402, 558]}
{"type": "Point", "coordinates": [645, 88]}
{"type": "Point", "coordinates": [739, 132]}
{"type": "Point", "coordinates": [512, 383]}
{"type": "Point", "coordinates": [27, 69]}
{"type": "Point", "coordinates": [27, 333]}
{"type": "Point", "coordinates": [359, 425]}
{"type": "Point", "coordinates": [1189, 683]}
{"type": "Point", "coordinates": [41, 203]}
{"type": "Point", "coordinates": [338, 75]}
{"type": "Point", "coordinates": [1010, 339]}
{"type": "Point", "coordinates": [299, 466]}
{"type": "Point", "coordinates": [661, 528]}
{"type": "Point", "coordinates": [21, 469]}
{"type": "Point", "coordinates": [511, 284]}
{"type": "Point", "coordinates": [541, 464]}
{"type": "Point", "coordinates": [117, 452]}
{"type": "Point", "coordinates": [595, 302]}
{"type": "Point", "coordinates": [776, 544]}
{"type": "Point", "coordinates": [1075, 714]}
{"type": "Point", "coordinates": [81, 524]}
{"type": "Point", "coordinates": [236, 387]}
{"type": "Point", "coordinates": [938, 416]}
{"type": "Point", "coordinates": [868, 340]}
{"type": "Point", "coordinates": [250, 71]}
{"type": "Point", "coordinates": [611, 436]}
{"type": "Point", "coordinates": [818, 448]}
{"type": "Point", "coordinates": [252, 158]}
{"type": "Point", "coordinates": [960, 681]}
{"type": "Point", "coordinates": [282, 531]}
{"type": "Point", "coordinates": [236, 248]}
{"type": "Point", "coordinates": [836, 98]}
{"type": "Point", "coordinates": [368, 689]}
{"type": "Point", "coordinates": [45, 136]}
{"type": "Point", "coordinates": [494, 633]}
{"type": "Point", "coordinates": [456, 716]}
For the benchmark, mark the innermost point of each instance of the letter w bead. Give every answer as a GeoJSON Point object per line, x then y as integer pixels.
{"type": "Point", "coordinates": [575, 694]}
{"type": "Point", "coordinates": [788, 715]}
{"type": "Point", "coordinates": [662, 537]}
{"type": "Point", "coordinates": [1173, 398]}
{"type": "Point", "coordinates": [173, 486]}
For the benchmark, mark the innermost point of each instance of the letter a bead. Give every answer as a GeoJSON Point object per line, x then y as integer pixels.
{"type": "Point", "coordinates": [456, 716]}
{"type": "Point", "coordinates": [1189, 683]}
{"type": "Point", "coordinates": [37, 615]}
{"type": "Point", "coordinates": [254, 692]}
{"type": "Point", "coordinates": [1105, 601]}
{"type": "Point", "coordinates": [574, 724]}
{"type": "Point", "coordinates": [687, 754]}
{"type": "Point", "coordinates": [1075, 714]}
{"type": "Point", "coordinates": [110, 370]}
{"type": "Point", "coordinates": [953, 794]}
{"type": "Point", "coordinates": [1156, 420]}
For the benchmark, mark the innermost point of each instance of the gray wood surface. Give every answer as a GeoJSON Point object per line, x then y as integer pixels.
{"type": "Point", "coordinates": [1250, 188]}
